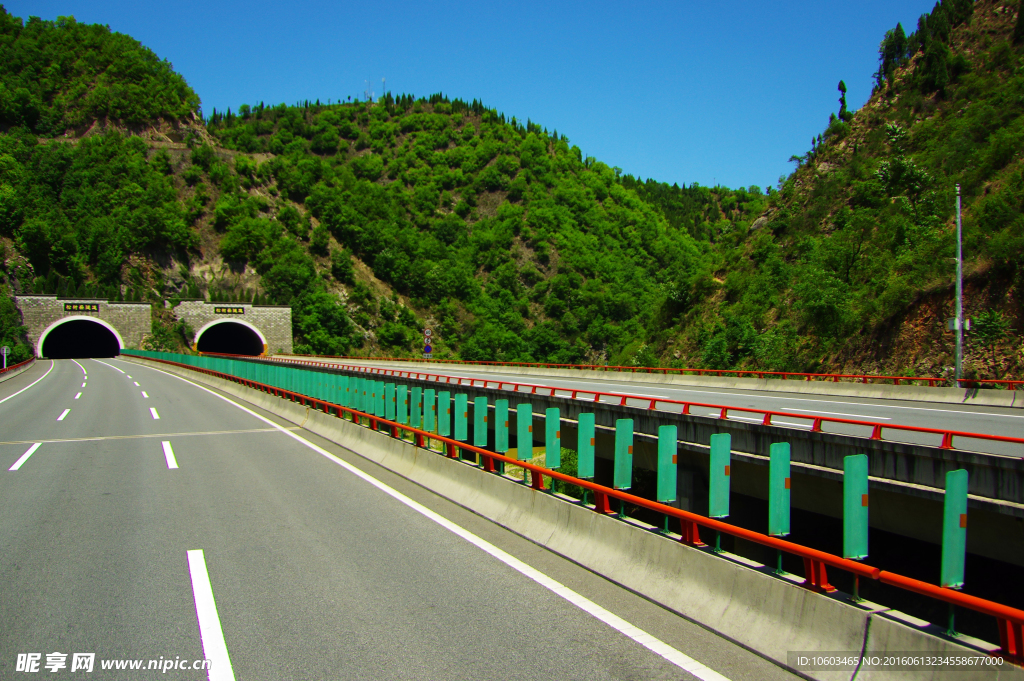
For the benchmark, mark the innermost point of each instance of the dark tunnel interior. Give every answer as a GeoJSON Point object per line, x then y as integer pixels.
{"type": "Point", "coordinates": [230, 338]}
{"type": "Point", "coordinates": [80, 338]}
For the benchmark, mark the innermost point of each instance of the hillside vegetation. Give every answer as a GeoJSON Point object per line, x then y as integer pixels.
{"type": "Point", "coordinates": [375, 219]}
{"type": "Point", "coordinates": [852, 265]}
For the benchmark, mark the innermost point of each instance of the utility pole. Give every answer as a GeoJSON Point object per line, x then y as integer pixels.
{"type": "Point", "coordinates": [959, 323]}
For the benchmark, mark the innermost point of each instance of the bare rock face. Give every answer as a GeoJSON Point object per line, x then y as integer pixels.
{"type": "Point", "coordinates": [758, 223]}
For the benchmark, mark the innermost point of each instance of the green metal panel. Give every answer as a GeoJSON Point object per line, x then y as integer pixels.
{"type": "Point", "coordinates": [346, 388]}
{"type": "Point", "coordinates": [524, 431]}
{"type": "Point", "coordinates": [402, 405]}
{"type": "Point", "coordinates": [778, 489]}
{"type": "Point", "coordinates": [585, 446]}
{"type": "Point", "coordinates": [501, 426]}
{"type": "Point", "coordinates": [667, 452]}
{"type": "Point", "coordinates": [429, 410]}
{"type": "Point", "coordinates": [480, 422]}
{"type": "Point", "coordinates": [444, 413]}
{"type": "Point", "coordinates": [552, 438]}
{"type": "Point", "coordinates": [855, 506]}
{"type": "Point", "coordinates": [461, 417]}
{"type": "Point", "coordinates": [718, 472]}
{"type": "Point", "coordinates": [382, 405]}
{"type": "Point", "coordinates": [623, 476]}
{"type": "Point", "coordinates": [389, 401]}
{"type": "Point", "coordinates": [954, 529]}
{"type": "Point", "coordinates": [416, 408]}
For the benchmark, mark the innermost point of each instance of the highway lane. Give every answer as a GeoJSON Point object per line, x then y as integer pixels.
{"type": "Point", "coordinates": [969, 418]}
{"type": "Point", "coordinates": [316, 573]}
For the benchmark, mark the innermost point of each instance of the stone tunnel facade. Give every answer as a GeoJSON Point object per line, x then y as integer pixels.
{"type": "Point", "coordinates": [272, 323]}
{"type": "Point", "coordinates": [131, 322]}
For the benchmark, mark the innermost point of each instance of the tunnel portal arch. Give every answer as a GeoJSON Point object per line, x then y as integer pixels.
{"type": "Point", "coordinates": [41, 343]}
{"type": "Point", "coordinates": [233, 321]}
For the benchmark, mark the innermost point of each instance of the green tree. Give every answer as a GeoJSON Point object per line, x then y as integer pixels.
{"type": "Point", "coordinates": [341, 266]}
{"type": "Point", "coordinates": [990, 328]}
{"type": "Point", "coordinates": [1018, 28]}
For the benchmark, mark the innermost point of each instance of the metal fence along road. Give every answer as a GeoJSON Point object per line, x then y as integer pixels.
{"type": "Point", "coordinates": [932, 381]}
{"type": "Point", "coordinates": [1010, 620]}
{"type": "Point", "coordinates": [946, 439]}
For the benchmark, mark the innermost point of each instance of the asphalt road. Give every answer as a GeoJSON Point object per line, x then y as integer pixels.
{"type": "Point", "coordinates": [239, 541]}
{"type": "Point", "coordinates": [968, 418]}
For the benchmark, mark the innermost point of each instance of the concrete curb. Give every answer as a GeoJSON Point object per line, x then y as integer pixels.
{"type": "Point", "coordinates": [764, 613]}
{"type": "Point", "coordinates": [878, 391]}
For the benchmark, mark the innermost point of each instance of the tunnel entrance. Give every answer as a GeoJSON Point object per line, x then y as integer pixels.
{"type": "Point", "coordinates": [79, 338]}
{"type": "Point", "coordinates": [230, 338]}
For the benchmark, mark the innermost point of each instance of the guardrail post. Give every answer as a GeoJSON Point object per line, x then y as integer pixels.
{"type": "Point", "coordinates": [601, 504]}
{"type": "Point", "coordinates": [430, 410]}
{"type": "Point", "coordinates": [480, 422]}
{"type": "Point", "coordinates": [779, 490]}
{"type": "Point", "coordinates": [585, 448]}
{"type": "Point", "coordinates": [389, 401]}
{"type": "Point", "coordinates": [501, 431]}
{"type": "Point", "coordinates": [954, 530]}
{"type": "Point", "coordinates": [778, 496]}
{"type": "Point", "coordinates": [816, 577]}
{"type": "Point", "coordinates": [402, 405]}
{"type": "Point", "coordinates": [719, 473]}
{"type": "Point", "coordinates": [623, 473]}
{"type": "Point", "coordinates": [461, 417]}
{"type": "Point", "coordinates": [524, 434]}
{"type": "Point", "coordinates": [1011, 640]}
{"type": "Point", "coordinates": [416, 408]}
{"type": "Point", "coordinates": [855, 507]}
{"type": "Point", "coordinates": [552, 439]}
{"type": "Point", "coordinates": [444, 413]}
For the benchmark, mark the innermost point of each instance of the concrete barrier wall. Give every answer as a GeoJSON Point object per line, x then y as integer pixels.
{"type": "Point", "coordinates": [745, 603]}
{"type": "Point", "coordinates": [877, 391]}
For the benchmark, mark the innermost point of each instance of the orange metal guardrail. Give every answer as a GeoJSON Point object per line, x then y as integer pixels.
{"type": "Point", "coordinates": [815, 422]}
{"type": "Point", "coordinates": [1010, 621]}
{"type": "Point", "coordinates": [19, 364]}
{"type": "Point", "coordinates": [933, 381]}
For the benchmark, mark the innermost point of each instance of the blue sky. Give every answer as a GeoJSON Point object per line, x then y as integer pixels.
{"type": "Point", "coordinates": [682, 91]}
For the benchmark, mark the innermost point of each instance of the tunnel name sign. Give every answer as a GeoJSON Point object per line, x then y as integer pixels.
{"type": "Point", "coordinates": [229, 310]}
{"type": "Point", "coordinates": [81, 307]}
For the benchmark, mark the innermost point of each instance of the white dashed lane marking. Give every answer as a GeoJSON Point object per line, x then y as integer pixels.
{"type": "Point", "coordinates": [153, 412]}
{"type": "Point", "coordinates": [172, 463]}
{"type": "Point", "coordinates": [24, 457]}
{"type": "Point", "coordinates": [61, 417]}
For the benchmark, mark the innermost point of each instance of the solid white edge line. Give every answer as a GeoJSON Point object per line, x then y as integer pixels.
{"type": "Point", "coordinates": [52, 364]}
{"type": "Point", "coordinates": [152, 410]}
{"type": "Point", "coordinates": [65, 413]}
{"type": "Point", "coordinates": [78, 395]}
{"type": "Point", "coordinates": [24, 457]}
{"type": "Point", "coordinates": [109, 365]}
{"type": "Point", "coordinates": [210, 632]}
{"type": "Point", "coordinates": [655, 645]}
{"type": "Point", "coordinates": [169, 455]}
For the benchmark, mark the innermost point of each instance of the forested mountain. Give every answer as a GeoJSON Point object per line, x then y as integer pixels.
{"type": "Point", "coordinates": [373, 219]}
{"type": "Point", "coordinates": [851, 267]}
